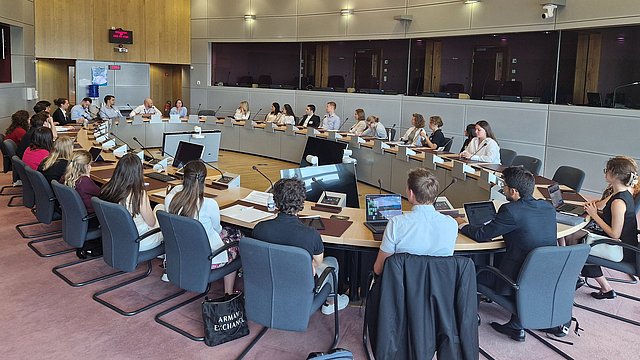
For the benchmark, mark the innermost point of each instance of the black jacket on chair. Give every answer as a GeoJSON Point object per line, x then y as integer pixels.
{"type": "Point", "coordinates": [427, 304]}
{"type": "Point", "coordinates": [525, 224]}
{"type": "Point", "coordinates": [314, 122]}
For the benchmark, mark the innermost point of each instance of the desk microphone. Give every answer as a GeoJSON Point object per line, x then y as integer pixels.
{"type": "Point", "coordinates": [197, 111]}
{"type": "Point", "coordinates": [223, 179]}
{"type": "Point", "coordinates": [256, 115]}
{"type": "Point", "coordinates": [324, 191]}
{"type": "Point", "coordinates": [218, 109]}
{"type": "Point", "coordinates": [380, 186]}
{"type": "Point", "coordinates": [124, 142]}
{"type": "Point", "coordinates": [453, 181]}
{"type": "Point", "coordinates": [130, 109]}
{"type": "Point", "coordinates": [389, 137]}
{"type": "Point", "coordinates": [263, 175]}
{"type": "Point", "coordinates": [615, 90]}
{"type": "Point", "coordinates": [344, 122]}
{"type": "Point", "coordinates": [480, 148]}
{"type": "Point", "coordinates": [446, 144]}
{"type": "Point", "coordinates": [144, 149]}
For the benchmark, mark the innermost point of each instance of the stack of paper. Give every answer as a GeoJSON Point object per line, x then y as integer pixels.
{"type": "Point", "coordinates": [258, 197]}
{"type": "Point", "coordinates": [245, 213]}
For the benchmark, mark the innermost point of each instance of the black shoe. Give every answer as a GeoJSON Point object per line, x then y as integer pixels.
{"type": "Point", "coordinates": [579, 283]}
{"type": "Point", "coordinates": [81, 254]}
{"type": "Point", "coordinates": [606, 295]}
{"type": "Point", "coordinates": [514, 334]}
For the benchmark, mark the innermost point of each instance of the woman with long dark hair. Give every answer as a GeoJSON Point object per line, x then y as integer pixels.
{"type": "Point", "coordinates": [188, 200]}
{"type": "Point", "coordinates": [39, 148]}
{"type": "Point", "coordinates": [484, 146]}
{"type": "Point", "coordinates": [19, 126]}
{"type": "Point", "coordinates": [126, 187]}
{"type": "Point", "coordinates": [275, 114]}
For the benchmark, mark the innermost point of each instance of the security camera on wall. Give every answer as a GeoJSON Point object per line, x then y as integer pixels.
{"type": "Point", "coordinates": [549, 7]}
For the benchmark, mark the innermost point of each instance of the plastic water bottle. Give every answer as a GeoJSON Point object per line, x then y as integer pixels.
{"type": "Point", "coordinates": [271, 204]}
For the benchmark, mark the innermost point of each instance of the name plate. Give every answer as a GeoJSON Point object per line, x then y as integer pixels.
{"type": "Point", "coordinates": [404, 152]}
{"type": "Point", "coordinates": [431, 159]}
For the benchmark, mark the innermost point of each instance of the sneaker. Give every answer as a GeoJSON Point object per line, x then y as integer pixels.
{"type": "Point", "coordinates": [164, 277]}
{"type": "Point", "coordinates": [17, 183]}
{"type": "Point", "coordinates": [343, 301]}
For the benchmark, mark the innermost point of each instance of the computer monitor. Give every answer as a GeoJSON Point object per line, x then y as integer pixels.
{"type": "Point", "coordinates": [340, 178]}
{"type": "Point", "coordinates": [594, 99]}
{"type": "Point", "coordinates": [187, 152]}
{"type": "Point", "coordinates": [327, 151]}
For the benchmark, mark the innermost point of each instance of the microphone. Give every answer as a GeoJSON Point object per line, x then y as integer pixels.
{"type": "Point", "coordinates": [218, 109]}
{"type": "Point", "coordinates": [447, 143]}
{"type": "Point", "coordinates": [223, 179]}
{"type": "Point", "coordinates": [453, 181]}
{"type": "Point", "coordinates": [197, 111]}
{"type": "Point", "coordinates": [256, 115]}
{"type": "Point", "coordinates": [393, 127]}
{"type": "Point", "coordinates": [145, 149]}
{"type": "Point", "coordinates": [263, 175]}
{"type": "Point", "coordinates": [380, 186]}
{"type": "Point", "coordinates": [344, 122]}
{"type": "Point", "coordinates": [130, 109]}
{"type": "Point", "coordinates": [324, 191]}
{"type": "Point", "coordinates": [615, 90]}
{"type": "Point", "coordinates": [480, 148]}
{"type": "Point", "coordinates": [124, 142]}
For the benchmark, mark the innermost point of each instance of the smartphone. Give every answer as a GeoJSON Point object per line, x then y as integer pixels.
{"type": "Point", "coordinates": [315, 223]}
{"type": "Point", "coordinates": [339, 217]}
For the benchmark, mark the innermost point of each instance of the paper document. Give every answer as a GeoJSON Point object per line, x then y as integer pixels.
{"type": "Point", "coordinates": [245, 213]}
{"type": "Point", "coordinates": [62, 128]}
{"type": "Point", "coordinates": [258, 197]}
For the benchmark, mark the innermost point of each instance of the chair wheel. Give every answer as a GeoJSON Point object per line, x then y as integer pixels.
{"type": "Point", "coordinates": [479, 320]}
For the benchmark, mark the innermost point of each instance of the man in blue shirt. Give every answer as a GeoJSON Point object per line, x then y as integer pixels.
{"type": "Point", "coordinates": [80, 112]}
{"type": "Point", "coordinates": [423, 230]}
{"type": "Point", "coordinates": [331, 121]}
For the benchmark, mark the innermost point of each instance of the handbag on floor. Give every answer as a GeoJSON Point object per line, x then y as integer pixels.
{"type": "Point", "coordinates": [605, 251]}
{"type": "Point", "coordinates": [224, 319]}
{"type": "Point", "coordinates": [333, 354]}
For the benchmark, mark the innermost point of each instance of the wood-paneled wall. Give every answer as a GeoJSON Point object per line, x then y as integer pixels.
{"type": "Point", "coordinates": [52, 78]}
{"type": "Point", "coordinates": [78, 29]}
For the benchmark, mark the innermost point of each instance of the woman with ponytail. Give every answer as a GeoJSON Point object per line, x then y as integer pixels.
{"type": "Point", "coordinates": [188, 200]}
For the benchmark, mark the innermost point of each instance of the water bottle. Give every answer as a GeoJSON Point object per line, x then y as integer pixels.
{"type": "Point", "coordinates": [271, 204]}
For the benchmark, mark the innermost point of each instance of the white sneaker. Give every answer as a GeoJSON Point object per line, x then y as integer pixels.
{"type": "Point", "coordinates": [343, 301]}
{"type": "Point", "coordinates": [164, 277]}
{"type": "Point", "coordinates": [17, 183]}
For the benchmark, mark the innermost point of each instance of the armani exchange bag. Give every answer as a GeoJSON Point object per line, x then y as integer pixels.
{"type": "Point", "coordinates": [224, 319]}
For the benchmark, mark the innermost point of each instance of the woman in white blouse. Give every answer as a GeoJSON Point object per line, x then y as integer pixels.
{"type": "Point", "coordinates": [288, 117]}
{"type": "Point", "coordinates": [242, 113]}
{"type": "Point", "coordinates": [361, 124]}
{"type": "Point", "coordinates": [416, 134]}
{"type": "Point", "coordinates": [275, 114]}
{"type": "Point", "coordinates": [188, 200]}
{"type": "Point", "coordinates": [484, 146]}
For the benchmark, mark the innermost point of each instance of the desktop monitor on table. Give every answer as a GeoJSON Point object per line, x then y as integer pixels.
{"type": "Point", "coordinates": [187, 152]}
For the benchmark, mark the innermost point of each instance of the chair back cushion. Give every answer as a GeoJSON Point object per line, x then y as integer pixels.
{"type": "Point", "coordinates": [278, 284]}
{"type": "Point", "coordinates": [119, 234]}
{"type": "Point", "coordinates": [187, 251]}
{"type": "Point", "coordinates": [448, 143]}
{"type": "Point", "coordinates": [547, 285]}
{"type": "Point", "coordinates": [28, 196]}
{"type": "Point", "coordinates": [74, 228]}
{"type": "Point", "coordinates": [507, 156]}
{"type": "Point", "coordinates": [569, 176]}
{"type": "Point", "coordinates": [528, 162]}
{"type": "Point", "coordinates": [45, 200]}
{"type": "Point", "coordinates": [5, 146]}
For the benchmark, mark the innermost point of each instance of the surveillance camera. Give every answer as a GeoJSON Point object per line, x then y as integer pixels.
{"type": "Point", "coordinates": [549, 10]}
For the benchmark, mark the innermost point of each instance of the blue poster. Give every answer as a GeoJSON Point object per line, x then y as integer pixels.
{"type": "Point", "coordinates": [99, 76]}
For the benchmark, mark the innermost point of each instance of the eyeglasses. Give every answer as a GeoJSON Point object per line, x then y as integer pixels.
{"type": "Point", "coordinates": [604, 170]}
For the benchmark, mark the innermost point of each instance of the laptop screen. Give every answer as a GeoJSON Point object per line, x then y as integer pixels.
{"type": "Point", "coordinates": [480, 213]}
{"type": "Point", "coordinates": [383, 207]}
{"type": "Point", "coordinates": [95, 152]}
{"type": "Point", "coordinates": [556, 195]}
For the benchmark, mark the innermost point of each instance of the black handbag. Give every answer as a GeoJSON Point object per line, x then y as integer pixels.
{"type": "Point", "coordinates": [224, 319]}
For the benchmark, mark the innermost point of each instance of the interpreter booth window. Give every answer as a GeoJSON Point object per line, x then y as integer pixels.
{"type": "Point", "coordinates": [505, 67]}
{"type": "Point", "coordinates": [373, 67]}
{"type": "Point", "coordinates": [267, 65]}
{"type": "Point", "coordinates": [599, 65]}
{"type": "Point", "coordinates": [5, 56]}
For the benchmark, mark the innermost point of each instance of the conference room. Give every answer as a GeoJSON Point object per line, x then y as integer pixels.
{"type": "Point", "coordinates": [246, 104]}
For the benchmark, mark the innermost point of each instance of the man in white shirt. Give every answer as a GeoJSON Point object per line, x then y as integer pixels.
{"type": "Point", "coordinates": [423, 230]}
{"type": "Point", "coordinates": [146, 109]}
{"type": "Point", "coordinates": [331, 121]}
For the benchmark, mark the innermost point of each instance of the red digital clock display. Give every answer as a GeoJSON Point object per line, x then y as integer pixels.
{"type": "Point", "coordinates": [119, 36]}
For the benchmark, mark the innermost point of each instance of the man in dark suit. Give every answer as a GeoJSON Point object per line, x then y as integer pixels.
{"type": "Point", "coordinates": [310, 119]}
{"type": "Point", "coordinates": [525, 224]}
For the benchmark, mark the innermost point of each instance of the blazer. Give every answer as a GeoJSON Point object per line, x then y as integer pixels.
{"type": "Point", "coordinates": [524, 225]}
{"type": "Point", "coordinates": [314, 122]}
{"type": "Point", "coordinates": [58, 116]}
{"type": "Point", "coordinates": [425, 304]}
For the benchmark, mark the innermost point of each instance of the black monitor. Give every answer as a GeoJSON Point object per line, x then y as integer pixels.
{"type": "Point", "coordinates": [327, 151]}
{"type": "Point", "coordinates": [594, 99]}
{"type": "Point", "coordinates": [339, 178]}
{"type": "Point", "coordinates": [187, 152]}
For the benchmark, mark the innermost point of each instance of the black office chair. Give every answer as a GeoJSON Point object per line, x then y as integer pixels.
{"type": "Point", "coordinates": [280, 292]}
{"type": "Point", "coordinates": [245, 80]}
{"type": "Point", "coordinates": [507, 156]}
{"type": "Point", "coordinates": [453, 88]}
{"type": "Point", "coordinates": [45, 210]}
{"type": "Point", "coordinates": [9, 148]}
{"type": "Point", "coordinates": [511, 88]}
{"type": "Point", "coordinates": [391, 134]}
{"type": "Point", "coordinates": [544, 290]}
{"type": "Point", "coordinates": [206, 113]}
{"type": "Point", "coordinates": [121, 250]}
{"type": "Point", "coordinates": [528, 162]}
{"type": "Point", "coordinates": [28, 196]}
{"type": "Point", "coordinates": [335, 81]}
{"type": "Point", "coordinates": [76, 230]}
{"type": "Point", "coordinates": [569, 176]}
{"type": "Point", "coordinates": [189, 255]}
{"type": "Point", "coordinates": [448, 144]}
{"type": "Point", "coordinates": [265, 80]}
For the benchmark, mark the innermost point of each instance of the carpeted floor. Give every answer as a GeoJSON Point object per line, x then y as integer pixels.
{"type": "Point", "coordinates": [41, 317]}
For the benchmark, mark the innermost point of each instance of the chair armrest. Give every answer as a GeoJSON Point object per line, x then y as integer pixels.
{"type": "Point", "coordinates": [89, 216]}
{"type": "Point", "coordinates": [616, 242]}
{"type": "Point", "coordinates": [147, 234]}
{"type": "Point", "coordinates": [499, 275]}
{"type": "Point", "coordinates": [223, 248]}
{"type": "Point", "coordinates": [323, 277]}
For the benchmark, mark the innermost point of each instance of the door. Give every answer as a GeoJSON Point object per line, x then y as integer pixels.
{"type": "Point", "coordinates": [367, 69]}
{"type": "Point", "coordinates": [489, 70]}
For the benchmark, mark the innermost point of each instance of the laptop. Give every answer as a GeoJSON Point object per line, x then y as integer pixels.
{"type": "Point", "coordinates": [95, 155]}
{"type": "Point", "coordinates": [556, 200]}
{"type": "Point", "coordinates": [480, 213]}
{"type": "Point", "coordinates": [381, 208]}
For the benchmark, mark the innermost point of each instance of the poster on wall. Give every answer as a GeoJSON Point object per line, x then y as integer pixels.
{"type": "Point", "coordinates": [99, 75]}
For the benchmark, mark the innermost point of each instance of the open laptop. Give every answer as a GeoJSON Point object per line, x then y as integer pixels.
{"type": "Point", "coordinates": [556, 200]}
{"type": "Point", "coordinates": [480, 213]}
{"type": "Point", "coordinates": [381, 208]}
{"type": "Point", "coordinates": [95, 154]}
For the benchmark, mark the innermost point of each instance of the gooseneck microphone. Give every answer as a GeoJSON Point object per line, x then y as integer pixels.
{"type": "Point", "coordinates": [453, 181]}
{"type": "Point", "coordinates": [615, 90]}
{"type": "Point", "coordinates": [446, 144]}
{"type": "Point", "coordinates": [144, 149]}
{"type": "Point", "coordinates": [197, 111]}
{"type": "Point", "coordinates": [263, 175]}
{"type": "Point", "coordinates": [324, 191]}
{"type": "Point", "coordinates": [216, 111]}
{"type": "Point", "coordinates": [223, 179]}
{"type": "Point", "coordinates": [344, 122]}
{"type": "Point", "coordinates": [124, 142]}
{"type": "Point", "coordinates": [380, 186]}
{"type": "Point", "coordinates": [389, 134]}
{"type": "Point", "coordinates": [256, 115]}
{"type": "Point", "coordinates": [478, 150]}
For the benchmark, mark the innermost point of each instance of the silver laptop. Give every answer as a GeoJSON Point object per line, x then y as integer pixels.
{"type": "Point", "coordinates": [558, 202]}
{"type": "Point", "coordinates": [381, 208]}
